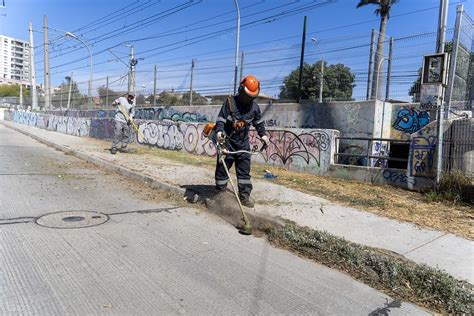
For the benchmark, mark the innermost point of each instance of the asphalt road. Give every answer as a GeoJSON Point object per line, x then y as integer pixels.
{"type": "Point", "coordinates": [77, 240]}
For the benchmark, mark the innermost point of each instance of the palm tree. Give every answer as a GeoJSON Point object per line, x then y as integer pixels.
{"type": "Point", "coordinates": [383, 10]}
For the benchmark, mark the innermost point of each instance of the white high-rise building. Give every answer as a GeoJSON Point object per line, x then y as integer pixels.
{"type": "Point", "coordinates": [14, 61]}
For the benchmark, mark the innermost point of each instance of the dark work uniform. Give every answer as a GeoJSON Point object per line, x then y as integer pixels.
{"type": "Point", "coordinates": [235, 120]}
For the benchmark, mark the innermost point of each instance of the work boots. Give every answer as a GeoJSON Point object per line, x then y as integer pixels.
{"type": "Point", "coordinates": [247, 202]}
{"type": "Point", "coordinates": [113, 151]}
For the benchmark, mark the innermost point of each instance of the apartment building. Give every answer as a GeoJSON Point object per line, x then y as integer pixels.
{"type": "Point", "coordinates": [14, 61]}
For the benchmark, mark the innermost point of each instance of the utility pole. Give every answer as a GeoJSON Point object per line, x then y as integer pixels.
{"type": "Point", "coordinates": [442, 21]}
{"type": "Point", "coordinates": [446, 99]}
{"type": "Point", "coordinates": [371, 63]}
{"type": "Point", "coordinates": [131, 75]}
{"type": "Point", "coordinates": [21, 88]}
{"type": "Point", "coordinates": [389, 69]}
{"type": "Point", "coordinates": [61, 98]}
{"type": "Point", "coordinates": [237, 46]}
{"type": "Point", "coordinates": [107, 91]}
{"type": "Point", "coordinates": [34, 95]}
{"type": "Point", "coordinates": [241, 66]}
{"type": "Point", "coordinates": [70, 90]}
{"type": "Point", "coordinates": [47, 82]}
{"type": "Point", "coordinates": [321, 82]}
{"type": "Point", "coordinates": [191, 84]}
{"type": "Point", "coordinates": [154, 86]}
{"type": "Point", "coordinates": [298, 97]}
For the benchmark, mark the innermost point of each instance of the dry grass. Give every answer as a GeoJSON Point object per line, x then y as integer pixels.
{"type": "Point", "coordinates": [384, 200]}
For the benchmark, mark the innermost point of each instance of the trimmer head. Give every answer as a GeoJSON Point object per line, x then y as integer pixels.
{"type": "Point", "coordinates": [246, 230]}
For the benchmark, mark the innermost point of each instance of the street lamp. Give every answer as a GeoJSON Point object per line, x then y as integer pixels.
{"type": "Point", "coordinates": [321, 79]}
{"type": "Point", "coordinates": [383, 102]}
{"type": "Point", "coordinates": [73, 36]}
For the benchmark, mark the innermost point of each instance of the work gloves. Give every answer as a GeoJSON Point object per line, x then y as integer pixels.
{"type": "Point", "coordinates": [220, 137]}
{"type": "Point", "coordinates": [265, 140]}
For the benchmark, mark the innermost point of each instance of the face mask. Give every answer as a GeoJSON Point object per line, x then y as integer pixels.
{"type": "Point", "coordinates": [244, 98]}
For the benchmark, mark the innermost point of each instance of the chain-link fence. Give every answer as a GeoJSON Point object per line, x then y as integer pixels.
{"type": "Point", "coordinates": [456, 142]}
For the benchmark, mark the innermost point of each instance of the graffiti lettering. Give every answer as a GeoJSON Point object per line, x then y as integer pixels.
{"type": "Point", "coordinates": [162, 136]}
{"type": "Point", "coordinates": [409, 120]}
{"type": "Point", "coordinates": [160, 114]}
{"type": "Point", "coordinates": [271, 123]}
{"type": "Point", "coordinates": [397, 178]}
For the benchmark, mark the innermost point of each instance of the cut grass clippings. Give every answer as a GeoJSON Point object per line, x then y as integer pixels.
{"type": "Point", "coordinates": [384, 200]}
{"type": "Point", "coordinates": [395, 275]}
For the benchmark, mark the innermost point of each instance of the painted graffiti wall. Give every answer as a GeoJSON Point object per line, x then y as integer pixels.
{"type": "Point", "coordinates": [76, 126]}
{"type": "Point", "coordinates": [422, 159]}
{"type": "Point", "coordinates": [301, 149]}
{"type": "Point", "coordinates": [408, 119]}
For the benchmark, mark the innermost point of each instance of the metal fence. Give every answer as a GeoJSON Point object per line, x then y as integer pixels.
{"type": "Point", "coordinates": [456, 143]}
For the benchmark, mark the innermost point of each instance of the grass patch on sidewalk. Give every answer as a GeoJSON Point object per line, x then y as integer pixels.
{"type": "Point", "coordinates": [392, 274]}
{"type": "Point", "coordinates": [384, 200]}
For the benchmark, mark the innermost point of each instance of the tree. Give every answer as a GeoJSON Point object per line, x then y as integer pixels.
{"type": "Point", "coordinates": [338, 82]}
{"type": "Point", "coordinates": [383, 9]}
{"type": "Point", "coordinates": [168, 99]}
{"type": "Point", "coordinates": [415, 88]}
{"type": "Point", "coordinates": [7, 90]}
{"type": "Point", "coordinates": [112, 95]}
{"type": "Point", "coordinates": [197, 99]}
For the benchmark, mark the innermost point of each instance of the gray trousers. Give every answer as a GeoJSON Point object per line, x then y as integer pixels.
{"type": "Point", "coordinates": [121, 134]}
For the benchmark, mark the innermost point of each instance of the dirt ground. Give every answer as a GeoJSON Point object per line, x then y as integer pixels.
{"type": "Point", "coordinates": [384, 200]}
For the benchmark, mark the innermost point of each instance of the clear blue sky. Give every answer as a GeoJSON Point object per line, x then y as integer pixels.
{"type": "Point", "coordinates": [270, 39]}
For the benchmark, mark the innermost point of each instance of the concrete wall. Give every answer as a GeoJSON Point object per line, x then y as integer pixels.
{"type": "Point", "coordinates": [352, 119]}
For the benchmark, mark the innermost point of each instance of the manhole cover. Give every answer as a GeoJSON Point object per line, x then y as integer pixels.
{"type": "Point", "coordinates": [72, 219]}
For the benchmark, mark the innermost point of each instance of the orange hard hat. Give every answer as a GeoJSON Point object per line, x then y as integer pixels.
{"type": "Point", "coordinates": [250, 85]}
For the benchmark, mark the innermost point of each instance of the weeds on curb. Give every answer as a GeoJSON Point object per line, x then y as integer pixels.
{"type": "Point", "coordinates": [391, 273]}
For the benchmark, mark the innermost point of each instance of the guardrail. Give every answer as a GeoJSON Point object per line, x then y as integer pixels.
{"type": "Point", "coordinates": [382, 159]}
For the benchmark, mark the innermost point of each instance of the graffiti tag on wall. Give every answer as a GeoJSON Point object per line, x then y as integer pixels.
{"type": "Point", "coordinates": [397, 177]}
{"type": "Point", "coordinates": [77, 126]}
{"type": "Point", "coordinates": [160, 114]}
{"type": "Point", "coordinates": [422, 151]}
{"type": "Point", "coordinates": [409, 120]}
{"type": "Point", "coordinates": [285, 147]}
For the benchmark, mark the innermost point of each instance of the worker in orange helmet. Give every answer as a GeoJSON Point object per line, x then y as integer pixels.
{"type": "Point", "coordinates": [235, 118]}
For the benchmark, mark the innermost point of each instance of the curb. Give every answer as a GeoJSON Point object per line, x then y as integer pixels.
{"type": "Point", "coordinates": [264, 221]}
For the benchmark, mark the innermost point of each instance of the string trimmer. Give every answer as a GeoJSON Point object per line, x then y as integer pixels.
{"type": "Point", "coordinates": [222, 151]}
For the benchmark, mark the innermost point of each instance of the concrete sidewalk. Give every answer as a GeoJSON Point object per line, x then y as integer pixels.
{"type": "Point", "coordinates": [437, 249]}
